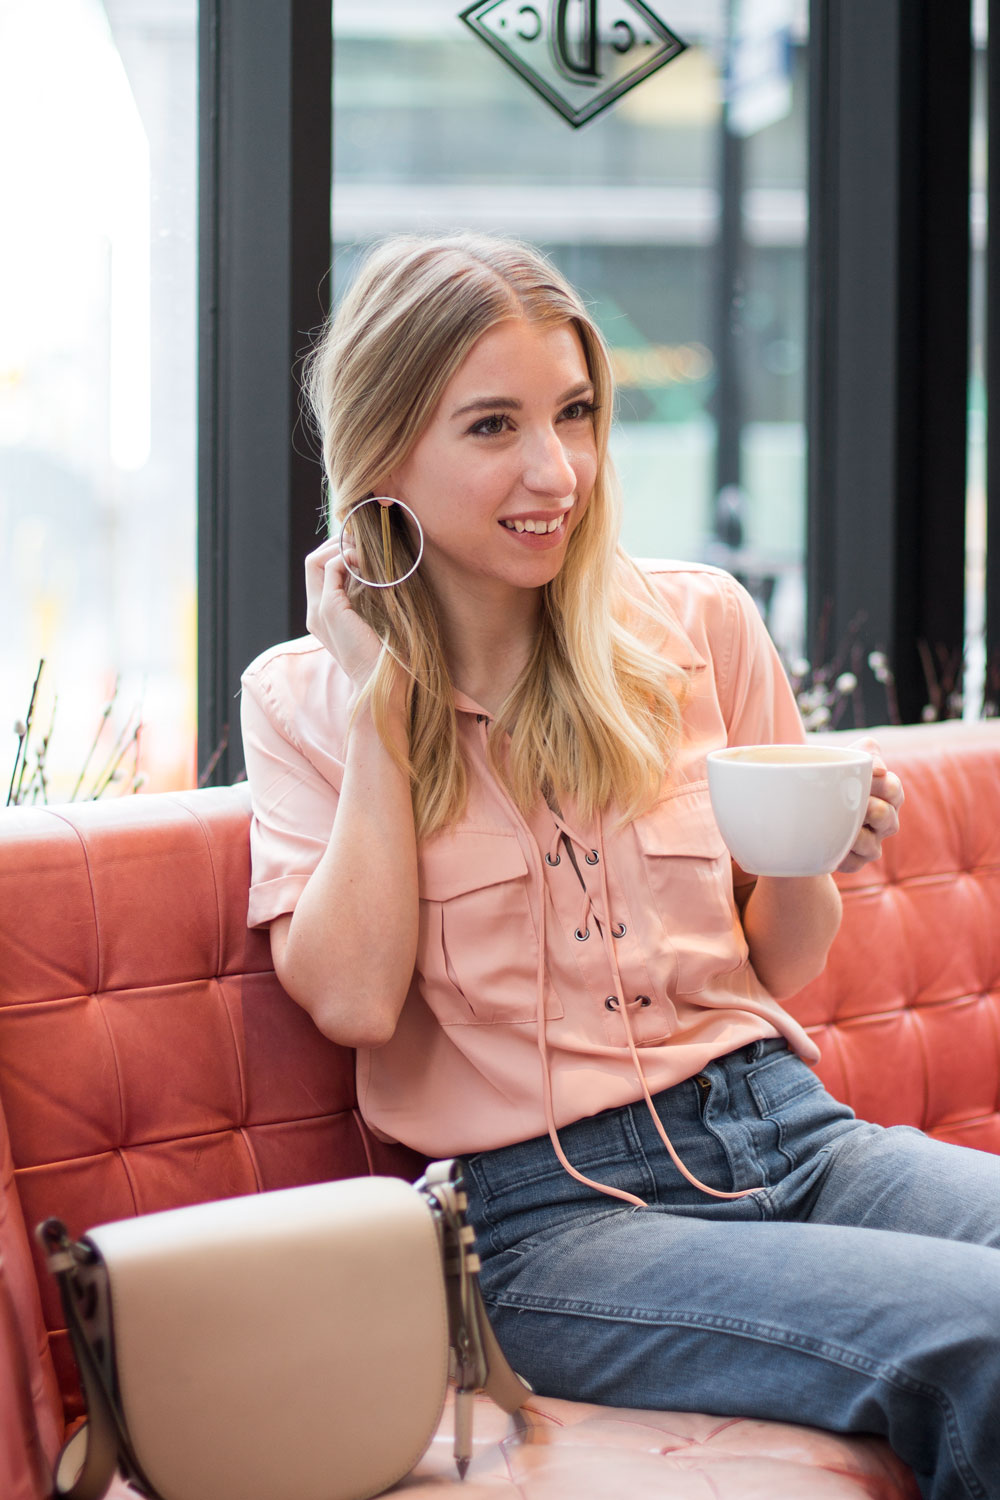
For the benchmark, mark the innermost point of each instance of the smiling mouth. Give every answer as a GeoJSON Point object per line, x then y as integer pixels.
{"type": "Point", "coordinates": [537, 528]}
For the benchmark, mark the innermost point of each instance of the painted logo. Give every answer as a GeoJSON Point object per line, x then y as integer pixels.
{"type": "Point", "coordinates": [580, 55]}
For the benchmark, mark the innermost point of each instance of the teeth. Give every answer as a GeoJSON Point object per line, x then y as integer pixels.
{"type": "Point", "coordinates": [536, 527]}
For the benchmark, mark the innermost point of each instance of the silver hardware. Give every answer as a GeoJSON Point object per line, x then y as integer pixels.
{"type": "Point", "coordinates": [593, 858]}
{"type": "Point", "coordinates": [619, 930]}
{"type": "Point", "coordinates": [611, 1003]}
{"type": "Point", "coordinates": [550, 861]}
{"type": "Point", "coordinates": [582, 937]}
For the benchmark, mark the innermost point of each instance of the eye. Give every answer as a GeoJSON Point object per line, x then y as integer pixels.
{"type": "Point", "coordinates": [491, 426]}
{"type": "Point", "coordinates": [578, 411]}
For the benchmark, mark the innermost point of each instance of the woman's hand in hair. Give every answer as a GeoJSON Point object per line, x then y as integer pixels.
{"type": "Point", "coordinates": [331, 618]}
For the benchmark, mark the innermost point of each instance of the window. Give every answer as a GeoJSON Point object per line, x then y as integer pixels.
{"type": "Point", "coordinates": [687, 240]}
{"type": "Point", "coordinates": [97, 383]}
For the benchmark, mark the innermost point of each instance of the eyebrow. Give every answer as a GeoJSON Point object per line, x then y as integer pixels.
{"type": "Point", "coordinates": [509, 403]}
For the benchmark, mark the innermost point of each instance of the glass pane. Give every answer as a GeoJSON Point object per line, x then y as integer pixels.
{"type": "Point", "coordinates": [687, 239]}
{"type": "Point", "coordinates": [97, 387]}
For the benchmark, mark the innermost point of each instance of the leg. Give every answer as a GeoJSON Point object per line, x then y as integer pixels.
{"type": "Point", "coordinates": [837, 1170]}
{"type": "Point", "coordinates": [900, 1179]}
{"type": "Point", "coordinates": [853, 1330]}
{"type": "Point", "coordinates": [777, 1305]}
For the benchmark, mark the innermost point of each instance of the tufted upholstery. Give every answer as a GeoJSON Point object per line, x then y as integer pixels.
{"type": "Point", "coordinates": [907, 1012]}
{"type": "Point", "coordinates": [149, 1058]}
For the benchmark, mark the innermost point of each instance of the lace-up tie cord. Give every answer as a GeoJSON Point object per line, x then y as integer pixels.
{"type": "Point", "coordinates": [596, 911]}
{"type": "Point", "coordinates": [593, 858]}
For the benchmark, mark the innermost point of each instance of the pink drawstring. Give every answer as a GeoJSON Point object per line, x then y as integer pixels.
{"type": "Point", "coordinates": [593, 857]}
{"type": "Point", "coordinates": [636, 1060]}
{"type": "Point", "coordinates": [543, 1049]}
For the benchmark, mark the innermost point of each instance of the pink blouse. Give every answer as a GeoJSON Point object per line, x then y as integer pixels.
{"type": "Point", "coordinates": [628, 937]}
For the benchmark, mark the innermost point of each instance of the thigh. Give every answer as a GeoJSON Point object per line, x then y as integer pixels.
{"type": "Point", "coordinates": [898, 1178]}
{"type": "Point", "coordinates": [845, 1328]}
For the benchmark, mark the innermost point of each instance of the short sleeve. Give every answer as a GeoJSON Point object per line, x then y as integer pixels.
{"type": "Point", "coordinates": [755, 693]}
{"type": "Point", "coordinates": [294, 800]}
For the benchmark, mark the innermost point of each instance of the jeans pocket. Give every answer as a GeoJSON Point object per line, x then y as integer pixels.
{"type": "Point", "coordinates": [788, 1093]}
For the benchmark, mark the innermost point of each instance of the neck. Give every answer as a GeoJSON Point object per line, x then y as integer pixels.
{"type": "Point", "coordinates": [488, 642]}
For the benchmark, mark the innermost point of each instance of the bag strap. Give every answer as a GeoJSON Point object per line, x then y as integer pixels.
{"type": "Point", "coordinates": [480, 1363]}
{"type": "Point", "coordinates": [103, 1437]}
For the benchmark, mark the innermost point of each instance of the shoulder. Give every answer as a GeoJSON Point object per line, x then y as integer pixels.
{"type": "Point", "coordinates": [296, 683]}
{"type": "Point", "coordinates": [304, 652]}
{"type": "Point", "coordinates": [681, 581]}
{"type": "Point", "coordinates": [708, 605]}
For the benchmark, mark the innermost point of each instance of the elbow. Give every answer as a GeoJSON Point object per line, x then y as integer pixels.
{"type": "Point", "coordinates": [786, 980]}
{"type": "Point", "coordinates": [367, 1028]}
{"type": "Point", "coordinates": [350, 1018]}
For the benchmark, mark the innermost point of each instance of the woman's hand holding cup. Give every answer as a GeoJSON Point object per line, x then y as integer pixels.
{"type": "Point", "coordinates": [801, 810]}
{"type": "Point", "coordinates": [881, 818]}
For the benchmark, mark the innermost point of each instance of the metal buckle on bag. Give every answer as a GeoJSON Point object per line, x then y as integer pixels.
{"type": "Point", "coordinates": [83, 1288]}
{"type": "Point", "coordinates": [441, 1186]}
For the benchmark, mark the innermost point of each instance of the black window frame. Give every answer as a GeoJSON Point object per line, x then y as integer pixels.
{"type": "Point", "coordinates": [265, 167]}
{"type": "Point", "coordinates": [891, 92]}
{"type": "Point", "coordinates": [889, 342]}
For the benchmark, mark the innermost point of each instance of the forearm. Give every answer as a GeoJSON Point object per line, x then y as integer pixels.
{"type": "Point", "coordinates": [789, 926]}
{"type": "Point", "coordinates": [347, 952]}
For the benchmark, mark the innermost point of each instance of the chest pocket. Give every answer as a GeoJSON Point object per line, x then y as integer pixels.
{"type": "Point", "coordinates": [689, 873]}
{"type": "Point", "coordinates": [477, 952]}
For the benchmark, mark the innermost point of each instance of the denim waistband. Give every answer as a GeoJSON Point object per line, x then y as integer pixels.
{"type": "Point", "coordinates": [620, 1147]}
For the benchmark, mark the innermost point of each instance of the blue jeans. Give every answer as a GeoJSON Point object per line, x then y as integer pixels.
{"type": "Point", "coordinates": [858, 1290]}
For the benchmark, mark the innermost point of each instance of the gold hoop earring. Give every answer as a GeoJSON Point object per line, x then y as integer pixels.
{"type": "Point", "coordinates": [385, 501]}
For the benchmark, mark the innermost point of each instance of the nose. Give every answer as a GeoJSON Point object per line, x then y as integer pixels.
{"type": "Point", "coordinates": [547, 467]}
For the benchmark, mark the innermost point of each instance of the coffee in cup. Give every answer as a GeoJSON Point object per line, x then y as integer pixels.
{"type": "Point", "coordinates": [789, 810]}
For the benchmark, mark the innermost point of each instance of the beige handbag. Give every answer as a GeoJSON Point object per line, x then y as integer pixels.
{"type": "Point", "coordinates": [291, 1343]}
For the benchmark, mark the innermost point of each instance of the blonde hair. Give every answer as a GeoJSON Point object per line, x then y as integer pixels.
{"type": "Point", "coordinates": [595, 715]}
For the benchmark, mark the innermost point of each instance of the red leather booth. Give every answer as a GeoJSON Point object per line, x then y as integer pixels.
{"type": "Point", "coordinates": [149, 1058]}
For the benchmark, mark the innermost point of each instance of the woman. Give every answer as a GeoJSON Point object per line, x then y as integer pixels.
{"type": "Point", "coordinates": [483, 846]}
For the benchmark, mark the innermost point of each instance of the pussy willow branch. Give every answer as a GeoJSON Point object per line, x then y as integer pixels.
{"type": "Point", "coordinates": [118, 753]}
{"type": "Point", "coordinates": [105, 715]}
{"type": "Point", "coordinates": [22, 744]}
{"type": "Point", "coordinates": [215, 757]}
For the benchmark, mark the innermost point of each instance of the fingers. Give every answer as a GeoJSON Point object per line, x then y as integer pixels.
{"type": "Point", "coordinates": [327, 573]}
{"type": "Point", "coordinates": [882, 814]}
{"type": "Point", "coordinates": [881, 822]}
{"type": "Point", "coordinates": [330, 616]}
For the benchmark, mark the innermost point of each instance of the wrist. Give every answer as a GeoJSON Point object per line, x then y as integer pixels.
{"type": "Point", "coordinates": [394, 735]}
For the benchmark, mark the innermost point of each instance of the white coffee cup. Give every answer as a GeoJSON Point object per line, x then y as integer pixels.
{"type": "Point", "coordinates": [789, 809]}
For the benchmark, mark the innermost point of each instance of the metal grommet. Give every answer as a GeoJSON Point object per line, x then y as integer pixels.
{"type": "Point", "coordinates": [611, 1003]}
{"type": "Point", "coordinates": [619, 930]}
{"type": "Point", "coordinates": [593, 858]}
{"type": "Point", "coordinates": [642, 1001]}
{"type": "Point", "coordinates": [550, 861]}
{"type": "Point", "coordinates": [582, 937]}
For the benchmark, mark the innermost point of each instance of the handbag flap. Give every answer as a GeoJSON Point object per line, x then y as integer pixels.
{"type": "Point", "coordinates": [290, 1343]}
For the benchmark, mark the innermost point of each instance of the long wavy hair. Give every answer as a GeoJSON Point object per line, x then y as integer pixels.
{"type": "Point", "coordinates": [596, 714]}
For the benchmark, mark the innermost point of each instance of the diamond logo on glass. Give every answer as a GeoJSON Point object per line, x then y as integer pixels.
{"type": "Point", "coordinates": [580, 55]}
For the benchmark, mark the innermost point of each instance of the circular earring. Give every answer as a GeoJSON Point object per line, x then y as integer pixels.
{"type": "Point", "coordinates": [385, 501]}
